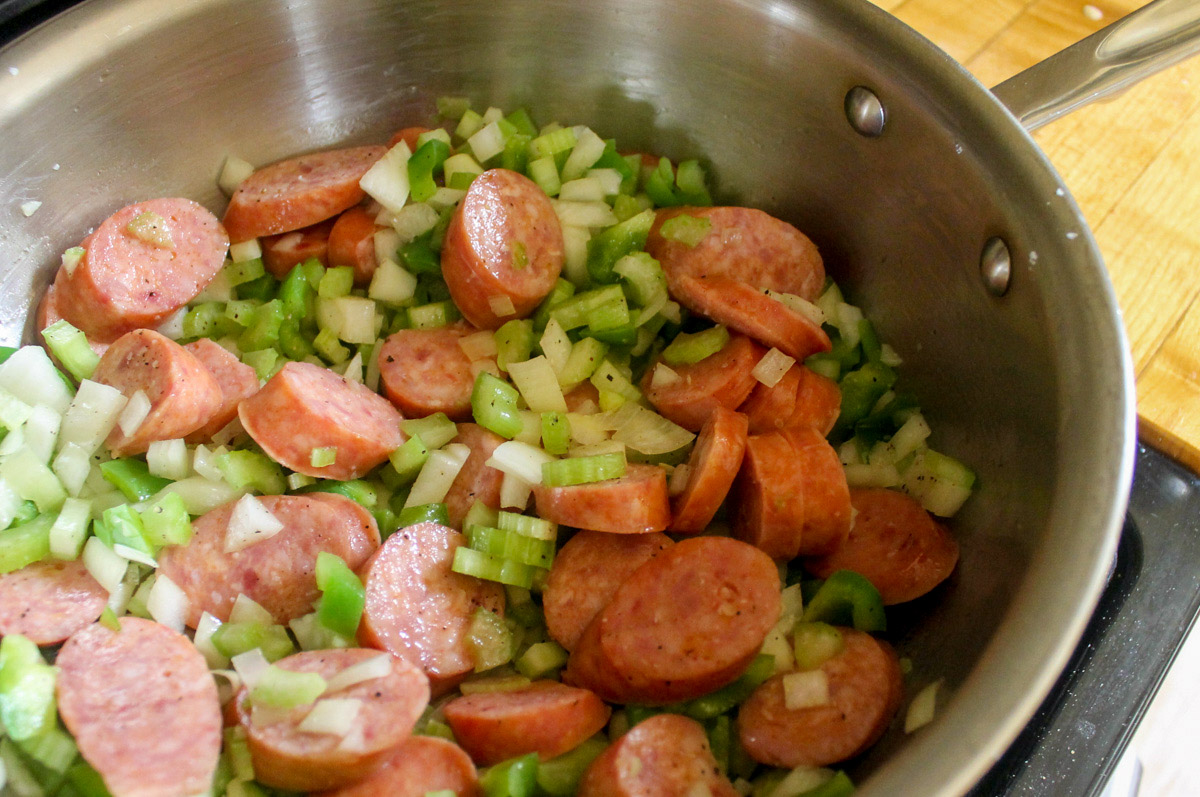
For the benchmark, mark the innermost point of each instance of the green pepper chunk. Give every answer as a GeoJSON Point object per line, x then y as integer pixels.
{"type": "Point", "coordinates": [342, 595]}
{"type": "Point", "coordinates": [847, 598]}
{"type": "Point", "coordinates": [516, 777]}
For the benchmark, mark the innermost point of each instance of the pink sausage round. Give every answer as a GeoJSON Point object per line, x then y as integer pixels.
{"type": "Point", "coordinates": [236, 380]}
{"type": "Point", "coordinates": [421, 765]}
{"type": "Point", "coordinates": [477, 481]}
{"type": "Point", "coordinates": [48, 601]}
{"type": "Point", "coordinates": [425, 371]}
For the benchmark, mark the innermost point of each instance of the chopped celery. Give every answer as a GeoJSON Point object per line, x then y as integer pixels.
{"type": "Point", "coordinates": [25, 543]}
{"type": "Point", "coordinates": [583, 470]}
{"type": "Point", "coordinates": [322, 456]}
{"type": "Point", "coordinates": [250, 469]}
{"type": "Point", "coordinates": [33, 480]}
{"type": "Point", "coordinates": [561, 291]}
{"type": "Point", "coordinates": [262, 289]}
{"type": "Point", "coordinates": [342, 595]}
{"type": "Point", "coordinates": [409, 458]}
{"type": "Point", "coordinates": [720, 740]}
{"type": "Point", "coordinates": [230, 639]}
{"type": "Point", "coordinates": [263, 330]}
{"type": "Point", "coordinates": [643, 277]}
{"type": "Point", "coordinates": [327, 345]}
{"type": "Point", "coordinates": [556, 434]}
{"type": "Point", "coordinates": [492, 568]}
{"type": "Point", "coordinates": [70, 347]}
{"type": "Point", "coordinates": [514, 342]}
{"type": "Point", "coordinates": [27, 705]}
{"type": "Point", "coordinates": [544, 172]}
{"type": "Point", "coordinates": [336, 282]}
{"type": "Point", "coordinates": [684, 186]}
{"type": "Point", "coordinates": [297, 294]}
{"type": "Point", "coordinates": [516, 777]}
{"type": "Point", "coordinates": [244, 271]}
{"type": "Point", "coordinates": [553, 142]}
{"type": "Point", "coordinates": [528, 525]}
{"type": "Point", "coordinates": [847, 598]}
{"type": "Point", "coordinates": [511, 545]}
{"type": "Point", "coordinates": [608, 377]}
{"type": "Point", "coordinates": [265, 362]}
{"type": "Point", "coordinates": [541, 659]}
{"type": "Point", "coordinates": [280, 688]}
{"type": "Point", "coordinates": [814, 643]}
{"type": "Point", "coordinates": [434, 430]}
{"type": "Point", "coordinates": [685, 229]}
{"type": "Point", "coordinates": [606, 248]}
{"type": "Point", "coordinates": [560, 776]}
{"type": "Point", "coordinates": [357, 490]}
{"type": "Point", "coordinates": [611, 159]}
{"type": "Point", "coordinates": [480, 514]}
{"type": "Point", "coordinates": [433, 315]}
{"type": "Point", "coordinates": [586, 356]}
{"type": "Point", "coordinates": [687, 349]}
{"type": "Point", "coordinates": [494, 405]}
{"type": "Point", "coordinates": [424, 513]}
{"type": "Point", "coordinates": [166, 522]}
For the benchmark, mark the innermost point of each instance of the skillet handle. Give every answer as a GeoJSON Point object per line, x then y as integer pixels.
{"type": "Point", "coordinates": [1154, 37]}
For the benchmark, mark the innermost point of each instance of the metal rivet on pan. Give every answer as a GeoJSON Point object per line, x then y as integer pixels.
{"type": "Point", "coordinates": [996, 266]}
{"type": "Point", "coordinates": [865, 112]}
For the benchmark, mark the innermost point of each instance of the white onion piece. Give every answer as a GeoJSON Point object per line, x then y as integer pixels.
{"type": "Point", "coordinates": [30, 375]}
{"type": "Point", "coordinates": [556, 345]}
{"type": "Point", "coordinates": [805, 689]}
{"type": "Point", "coordinates": [250, 666]}
{"type": "Point", "coordinates": [587, 428]}
{"type": "Point", "coordinates": [203, 642]}
{"type": "Point", "coordinates": [387, 243]}
{"type": "Point", "coordinates": [367, 670]}
{"type": "Point", "coordinates": [354, 369]}
{"type": "Point", "coordinates": [201, 495]}
{"type": "Point", "coordinates": [167, 604]}
{"type": "Point", "coordinates": [333, 716]}
{"type": "Point", "coordinates": [387, 181]}
{"type": "Point", "coordinates": [445, 197]}
{"type": "Point", "coordinates": [486, 364]}
{"type": "Point", "coordinates": [663, 376]}
{"type": "Point", "coordinates": [575, 246]}
{"type": "Point", "coordinates": [538, 384]}
{"type": "Point", "coordinates": [800, 305]}
{"type": "Point", "coordinates": [205, 465]}
{"type": "Point", "coordinates": [228, 681]}
{"type": "Point", "coordinates": [802, 779]}
{"type": "Point", "coordinates": [249, 523]}
{"type": "Point", "coordinates": [70, 529]}
{"type": "Point", "coordinates": [391, 283]}
{"type": "Point", "coordinates": [227, 433]}
{"type": "Point", "coordinates": [119, 599]}
{"type": "Point", "coordinates": [776, 644]}
{"type": "Point", "coordinates": [502, 306]}
{"type": "Point", "coordinates": [921, 709]}
{"type": "Point", "coordinates": [168, 459]}
{"type": "Point", "coordinates": [91, 415]}
{"type": "Point", "coordinates": [479, 345]}
{"type": "Point", "coordinates": [647, 431]}
{"type": "Point", "coordinates": [105, 566]}
{"type": "Point", "coordinates": [72, 466]}
{"type": "Point", "coordinates": [583, 189]}
{"type": "Point", "coordinates": [514, 492]}
{"type": "Point", "coordinates": [10, 504]}
{"type": "Point", "coordinates": [487, 142]}
{"type": "Point", "coordinates": [771, 368]}
{"type": "Point", "coordinates": [519, 459]}
{"type": "Point", "coordinates": [41, 431]}
{"type": "Point", "coordinates": [233, 172]}
{"type": "Point", "coordinates": [610, 180]}
{"type": "Point", "coordinates": [136, 410]}
{"type": "Point", "coordinates": [437, 474]}
{"type": "Point", "coordinates": [679, 479]}
{"type": "Point", "coordinates": [133, 555]}
{"type": "Point", "coordinates": [246, 610]}
{"type": "Point", "coordinates": [597, 449]}
{"type": "Point", "coordinates": [354, 741]}
{"type": "Point", "coordinates": [173, 327]}
{"type": "Point", "coordinates": [371, 379]}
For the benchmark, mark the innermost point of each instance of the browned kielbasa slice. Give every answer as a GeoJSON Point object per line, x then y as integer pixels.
{"type": "Point", "coordinates": [665, 756]}
{"type": "Point", "coordinates": [286, 757]}
{"type": "Point", "coordinates": [477, 481]}
{"type": "Point", "coordinates": [685, 623]}
{"type": "Point", "coordinates": [792, 494]}
{"type": "Point", "coordinates": [50, 600]}
{"type": "Point", "coordinates": [586, 574]}
{"type": "Point", "coordinates": [895, 544]}
{"type": "Point", "coordinates": [280, 253]}
{"type": "Point", "coordinates": [280, 572]}
{"type": "Point", "coordinates": [636, 503]}
{"type": "Point", "coordinates": [421, 610]}
{"type": "Point", "coordinates": [183, 394]}
{"type": "Point", "coordinates": [739, 306]}
{"type": "Point", "coordinates": [714, 464]}
{"type": "Point", "coordinates": [48, 313]}
{"type": "Point", "coordinates": [421, 765]}
{"type": "Point", "coordinates": [546, 717]}
{"type": "Point", "coordinates": [801, 398]}
{"type": "Point", "coordinates": [503, 243]}
{"type": "Point", "coordinates": [142, 708]}
{"type": "Point", "coordinates": [352, 243]}
{"type": "Point", "coordinates": [236, 380]}
{"type": "Point", "coordinates": [298, 192]}
{"type": "Point", "coordinates": [425, 371]}
{"type": "Point", "coordinates": [140, 265]}
{"type": "Point", "coordinates": [865, 690]}
{"type": "Point", "coordinates": [305, 406]}
{"type": "Point", "coordinates": [723, 379]}
{"type": "Point", "coordinates": [742, 244]}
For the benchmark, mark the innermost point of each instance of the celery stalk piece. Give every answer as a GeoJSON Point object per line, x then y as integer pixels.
{"type": "Point", "coordinates": [494, 405]}
{"type": "Point", "coordinates": [424, 513]}
{"type": "Point", "coordinates": [516, 777]}
{"type": "Point", "coordinates": [280, 688]}
{"type": "Point", "coordinates": [560, 776]}
{"type": "Point", "coordinates": [70, 347]}
{"type": "Point", "coordinates": [434, 430]}
{"type": "Point", "coordinates": [27, 704]}
{"type": "Point", "coordinates": [165, 521]}
{"type": "Point", "coordinates": [492, 568]}
{"type": "Point", "coordinates": [132, 477]}
{"type": "Point", "coordinates": [33, 480]}
{"type": "Point", "coordinates": [583, 470]}
{"type": "Point", "coordinates": [688, 349]}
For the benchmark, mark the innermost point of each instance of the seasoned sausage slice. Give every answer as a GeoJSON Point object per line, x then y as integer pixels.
{"type": "Point", "coordinates": [895, 544]}
{"type": "Point", "coordinates": [713, 464]}
{"type": "Point", "coordinates": [352, 243]}
{"type": "Point", "coordinates": [286, 757]}
{"type": "Point", "coordinates": [298, 192]}
{"type": "Point", "coordinates": [666, 755]}
{"type": "Point", "coordinates": [586, 574]}
{"type": "Point", "coordinates": [278, 573]}
{"type": "Point", "coordinates": [280, 253]}
{"type": "Point", "coordinates": [142, 708]}
{"type": "Point", "coordinates": [183, 395]}
{"type": "Point", "coordinates": [504, 244]}
{"type": "Point", "coordinates": [801, 398]}
{"type": "Point", "coordinates": [140, 265]}
{"type": "Point", "coordinates": [50, 600]}
{"type": "Point", "coordinates": [421, 610]}
{"type": "Point", "coordinates": [636, 503]}
{"type": "Point", "coordinates": [865, 690]}
{"type": "Point", "coordinates": [305, 407]}
{"type": "Point", "coordinates": [546, 717]}
{"type": "Point", "coordinates": [236, 380]}
{"type": "Point", "coordinates": [723, 379]}
{"type": "Point", "coordinates": [683, 624]}
{"type": "Point", "coordinates": [477, 481]}
{"type": "Point", "coordinates": [425, 371]}
{"type": "Point", "coordinates": [421, 765]}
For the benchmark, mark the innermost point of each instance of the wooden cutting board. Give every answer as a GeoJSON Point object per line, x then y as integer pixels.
{"type": "Point", "coordinates": [1133, 164]}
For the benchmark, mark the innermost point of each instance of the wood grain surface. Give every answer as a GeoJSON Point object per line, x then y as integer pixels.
{"type": "Point", "coordinates": [1133, 164]}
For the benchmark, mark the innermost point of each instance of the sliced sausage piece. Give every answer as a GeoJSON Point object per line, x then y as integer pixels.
{"type": "Point", "coordinates": [425, 371]}
{"type": "Point", "coordinates": [236, 380]}
{"type": "Point", "coordinates": [298, 192]}
{"type": "Point", "coordinates": [713, 464]}
{"type": "Point", "coordinates": [666, 755]}
{"type": "Point", "coordinates": [142, 708]}
{"type": "Point", "coordinates": [281, 253]}
{"type": "Point", "coordinates": [477, 481]}
{"type": "Point", "coordinates": [865, 691]}
{"type": "Point", "coordinates": [421, 765]}
{"type": "Point", "coordinates": [418, 608]}
{"type": "Point", "coordinates": [352, 243]}
{"type": "Point", "coordinates": [895, 544]}
{"type": "Point", "coordinates": [124, 281]}
{"type": "Point", "coordinates": [723, 379]}
{"type": "Point", "coordinates": [305, 406]}
{"type": "Point", "coordinates": [409, 136]}
{"type": "Point", "coordinates": [48, 601]}
{"type": "Point", "coordinates": [685, 623]}
{"type": "Point", "coordinates": [183, 395]}
{"type": "Point", "coordinates": [741, 307]}
{"type": "Point", "coordinates": [547, 718]}
{"type": "Point", "coordinates": [792, 496]}
{"type": "Point", "coordinates": [48, 313]}
{"type": "Point", "coordinates": [636, 503]}
{"type": "Point", "coordinates": [278, 573]}
{"type": "Point", "coordinates": [286, 757]}
{"type": "Point", "coordinates": [801, 398]}
{"type": "Point", "coordinates": [586, 574]}
{"type": "Point", "coordinates": [503, 243]}
{"type": "Point", "coordinates": [741, 244]}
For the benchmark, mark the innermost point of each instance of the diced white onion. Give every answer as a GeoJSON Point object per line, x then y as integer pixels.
{"type": "Point", "coordinates": [846, 321]}
{"type": "Point", "coordinates": [647, 431]}
{"type": "Point", "coordinates": [366, 670]}
{"type": "Point", "coordinates": [229, 432]}
{"type": "Point", "coordinates": [413, 220]}
{"type": "Point", "coordinates": [575, 246]}
{"type": "Point", "coordinates": [119, 598]}
{"type": "Point", "coordinates": [597, 449]}
{"type": "Point", "coordinates": [387, 180]}
{"type": "Point", "coordinates": [922, 708]}
{"type": "Point", "coordinates": [800, 305]}
{"type": "Point", "coordinates": [805, 689]}
{"type": "Point", "coordinates": [13, 411]}
{"type": "Point", "coordinates": [357, 318]}
{"type": "Point", "coordinates": [30, 375]}
{"type": "Point", "coordinates": [889, 357]}
{"type": "Point", "coordinates": [167, 604]}
{"type": "Point", "coordinates": [204, 462]}
{"type": "Point", "coordinates": [41, 431]}
{"type": "Point", "coordinates": [587, 150]}
{"type": "Point", "coordinates": [133, 555]}
{"type": "Point", "coordinates": [911, 435]}
{"type": "Point", "coordinates": [168, 459]}
{"type": "Point", "coordinates": [250, 666]}
{"type": "Point", "coordinates": [173, 326]}
{"type": "Point", "coordinates": [538, 384]}
{"type": "Point", "coordinates": [519, 459]}
{"type": "Point", "coordinates": [387, 243]}
{"type": "Point", "coordinates": [333, 716]}
{"type": "Point", "coordinates": [219, 289]}
{"type": "Point", "coordinates": [249, 250]}
{"type": "Point", "coordinates": [879, 474]}
{"type": "Point", "coordinates": [776, 644]}
{"type": "Point", "coordinates": [531, 428]}
{"type": "Point", "coordinates": [246, 610]}
{"type": "Point", "coordinates": [228, 683]}
{"type": "Point", "coordinates": [71, 258]}
{"type": "Point", "coordinates": [585, 189]}
{"type": "Point", "coordinates": [771, 368]}
{"type": "Point", "coordinates": [10, 504]}
{"type": "Point", "coordinates": [70, 529]}
{"type": "Point", "coordinates": [487, 142]}
{"type": "Point", "coordinates": [446, 197]}
{"type": "Point", "coordinates": [792, 608]}
{"type": "Point", "coordinates": [610, 180]}
{"type": "Point", "coordinates": [391, 283]}
{"type": "Point", "coordinates": [354, 741]}
{"type": "Point", "coordinates": [848, 453]}
{"type": "Point", "coordinates": [437, 474]}
{"type": "Point", "coordinates": [203, 642]}
{"type": "Point", "coordinates": [233, 172]}
{"type": "Point", "coordinates": [502, 305]}
{"type": "Point", "coordinates": [663, 376]}
{"type": "Point", "coordinates": [105, 566]}
{"type": "Point", "coordinates": [584, 214]}
{"type": "Point", "coordinates": [30, 207]}
{"type": "Point", "coordinates": [371, 379]}
{"type": "Point", "coordinates": [586, 429]}
{"type": "Point", "coordinates": [353, 371]}
{"type": "Point", "coordinates": [136, 410]}
{"type": "Point", "coordinates": [556, 345]}
{"type": "Point", "coordinates": [486, 365]}
{"type": "Point", "coordinates": [92, 414]}
{"type": "Point", "coordinates": [679, 479]}
{"type": "Point", "coordinates": [672, 312]}
{"type": "Point", "coordinates": [249, 523]}
{"type": "Point", "coordinates": [515, 492]}
{"type": "Point", "coordinates": [479, 344]}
